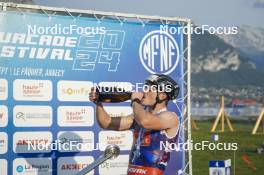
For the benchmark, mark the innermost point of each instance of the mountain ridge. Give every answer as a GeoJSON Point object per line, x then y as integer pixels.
{"type": "Point", "coordinates": [216, 62]}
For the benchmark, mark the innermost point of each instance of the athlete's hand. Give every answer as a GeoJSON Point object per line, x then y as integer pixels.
{"type": "Point", "coordinates": [93, 95]}
{"type": "Point", "coordinates": [138, 95]}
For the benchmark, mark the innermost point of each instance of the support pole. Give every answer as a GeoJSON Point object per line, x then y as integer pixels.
{"type": "Point", "coordinates": [222, 116]}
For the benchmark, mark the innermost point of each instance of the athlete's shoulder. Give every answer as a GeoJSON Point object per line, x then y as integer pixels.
{"type": "Point", "coordinates": [169, 115]}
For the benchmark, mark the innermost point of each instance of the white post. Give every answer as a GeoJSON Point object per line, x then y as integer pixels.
{"type": "Point", "coordinates": [189, 93]}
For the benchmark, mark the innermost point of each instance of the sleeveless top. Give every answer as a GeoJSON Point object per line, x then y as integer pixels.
{"type": "Point", "coordinates": [147, 150]}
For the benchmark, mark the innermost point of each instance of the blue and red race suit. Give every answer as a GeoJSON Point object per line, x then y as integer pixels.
{"type": "Point", "coordinates": [147, 156]}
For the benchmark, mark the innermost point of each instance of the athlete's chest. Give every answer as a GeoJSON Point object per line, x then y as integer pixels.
{"type": "Point", "coordinates": [144, 137]}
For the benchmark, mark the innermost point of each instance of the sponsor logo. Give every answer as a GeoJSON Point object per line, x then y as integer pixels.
{"type": "Point", "coordinates": [32, 90]}
{"type": "Point", "coordinates": [3, 142]}
{"type": "Point", "coordinates": [76, 166]}
{"type": "Point", "coordinates": [159, 52]}
{"type": "Point", "coordinates": [137, 170]}
{"type": "Point", "coordinates": [3, 166]}
{"type": "Point", "coordinates": [31, 142]}
{"type": "Point", "coordinates": [74, 90]}
{"type": "Point", "coordinates": [72, 165]}
{"type": "Point", "coordinates": [30, 166]}
{"type": "Point", "coordinates": [115, 166]}
{"type": "Point", "coordinates": [3, 116]}
{"type": "Point", "coordinates": [76, 141]}
{"type": "Point", "coordinates": [20, 168]}
{"type": "Point", "coordinates": [76, 116]}
{"type": "Point", "coordinates": [3, 89]}
{"type": "Point", "coordinates": [77, 91]}
{"type": "Point", "coordinates": [32, 116]}
{"type": "Point", "coordinates": [20, 115]}
{"type": "Point", "coordinates": [120, 138]}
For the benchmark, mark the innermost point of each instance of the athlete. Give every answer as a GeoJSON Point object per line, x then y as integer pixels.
{"type": "Point", "coordinates": [151, 123]}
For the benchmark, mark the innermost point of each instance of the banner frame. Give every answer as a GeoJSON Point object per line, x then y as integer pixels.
{"type": "Point", "coordinates": [121, 17]}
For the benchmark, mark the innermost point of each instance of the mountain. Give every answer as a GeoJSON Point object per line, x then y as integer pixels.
{"type": "Point", "coordinates": [249, 42]}
{"type": "Point", "coordinates": [216, 63]}
{"type": "Point", "coordinates": [20, 1]}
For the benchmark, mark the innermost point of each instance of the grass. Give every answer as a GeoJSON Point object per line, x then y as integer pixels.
{"type": "Point", "coordinates": [247, 145]}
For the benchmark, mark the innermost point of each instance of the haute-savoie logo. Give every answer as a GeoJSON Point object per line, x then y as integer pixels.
{"type": "Point", "coordinates": [159, 52]}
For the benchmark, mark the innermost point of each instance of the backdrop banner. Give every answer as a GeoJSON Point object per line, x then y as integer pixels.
{"type": "Point", "coordinates": [48, 65]}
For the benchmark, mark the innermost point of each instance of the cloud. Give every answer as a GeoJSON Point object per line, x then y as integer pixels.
{"type": "Point", "coordinates": [259, 4]}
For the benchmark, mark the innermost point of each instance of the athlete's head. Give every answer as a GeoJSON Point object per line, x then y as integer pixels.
{"type": "Point", "coordinates": [158, 89]}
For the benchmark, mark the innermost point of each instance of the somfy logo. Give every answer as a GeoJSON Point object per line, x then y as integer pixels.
{"type": "Point", "coordinates": [159, 52]}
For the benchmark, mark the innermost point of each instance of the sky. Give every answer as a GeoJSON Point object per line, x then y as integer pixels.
{"type": "Point", "coordinates": [202, 12]}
